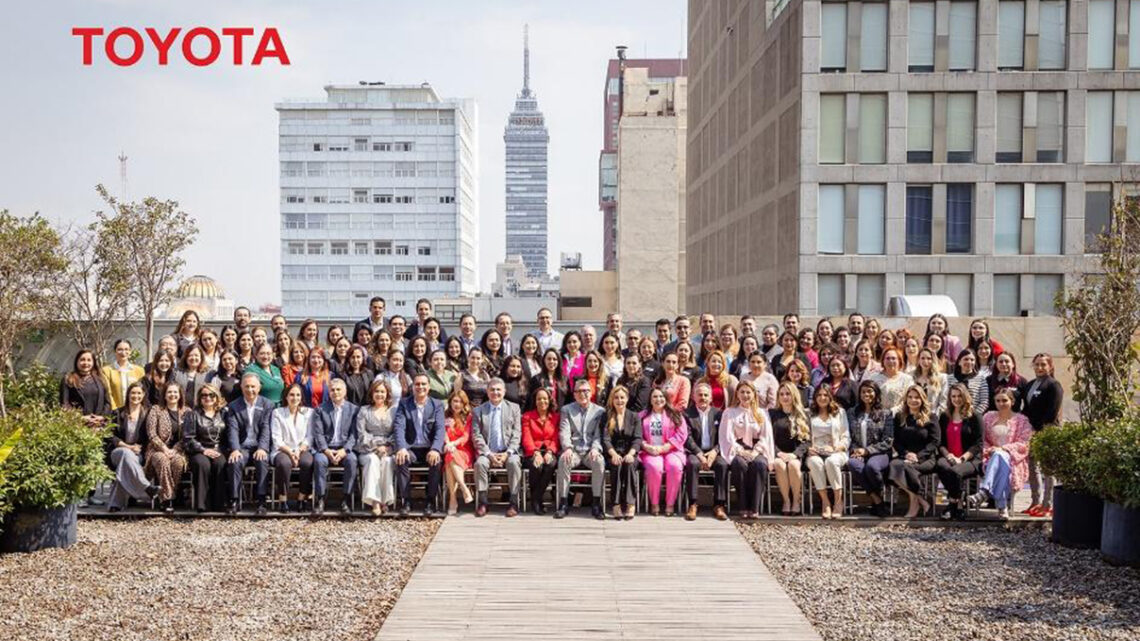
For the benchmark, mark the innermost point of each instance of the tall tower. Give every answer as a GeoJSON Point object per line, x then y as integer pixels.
{"type": "Point", "coordinates": [526, 141]}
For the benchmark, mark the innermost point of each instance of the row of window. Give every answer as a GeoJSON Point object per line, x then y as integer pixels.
{"type": "Point", "coordinates": [357, 247]}
{"type": "Point", "coordinates": [1028, 218]}
{"type": "Point", "coordinates": [870, 292]}
{"type": "Point", "coordinates": [293, 169]}
{"type": "Point", "coordinates": [361, 196]}
{"type": "Point", "coordinates": [1047, 51]}
{"type": "Point", "coordinates": [366, 221]}
{"type": "Point", "coordinates": [395, 273]}
{"type": "Point", "coordinates": [366, 118]}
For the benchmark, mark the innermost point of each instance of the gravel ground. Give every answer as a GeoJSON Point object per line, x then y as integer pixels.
{"type": "Point", "coordinates": [894, 583]}
{"type": "Point", "coordinates": [213, 579]}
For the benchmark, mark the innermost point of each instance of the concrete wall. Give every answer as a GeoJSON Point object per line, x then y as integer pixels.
{"type": "Point", "coordinates": [600, 287]}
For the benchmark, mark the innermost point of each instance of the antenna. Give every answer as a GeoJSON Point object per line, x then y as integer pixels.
{"type": "Point", "coordinates": [526, 61]}
{"type": "Point", "coordinates": [123, 176]}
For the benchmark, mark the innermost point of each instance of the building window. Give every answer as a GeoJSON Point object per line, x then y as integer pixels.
{"type": "Point", "coordinates": [963, 35]}
{"type": "Point", "coordinates": [1132, 126]}
{"type": "Point", "coordinates": [829, 294]}
{"type": "Point", "coordinates": [360, 195]}
{"type": "Point", "coordinates": [296, 249]}
{"type": "Point", "coordinates": [318, 273]}
{"type": "Point", "coordinates": [1102, 33]}
{"type": "Point", "coordinates": [381, 146]}
{"type": "Point", "coordinates": [425, 274]}
{"type": "Point", "coordinates": [316, 249]}
{"type": "Point", "coordinates": [873, 37]}
{"type": "Point", "coordinates": [1051, 126]}
{"type": "Point", "coordinates": [871, 219]}
{"type": "Point", "coordinates": [403, 146]}
{"type": "Point", "coordinates": [446, 200]}
{"type": "Point", "coordinates": [1045, 288]}
{"type": "Point", "coordinates": [294, 221]}
{"type": "Point", "coordinates": [404, 200]}
{"type": "Point", "coordinates": [360, 248]}
{"type": "Point", "coordinates": [1051, 38]}
{"type": "Point", "coordinates": [1048, 217]}
{"type": "Point", "coordinates": [1011, 34]}
{"type": "Point", "coordinates": [832, 128]}
{"type": "Point", "coordinates": [423, 251]}
{"type": "Point", "coordinates": [403, 275]}
{"type": "Point", "coordinates": [872, 128]}
{"type": "Point", "coordinates": [830, 223]}
{"type": "Point", "coordinates": [1098, 214]}
{"type": "Point", "coordinates": [323, 198]}
{"type": "Point", "coordinates": [960, 127]}
{"type": "Point", "coordinates": [1098, 126]}
{"type": "Point", "coordinates": [447, 274]}
{"type": "Point", "coordinates": [360, 144]}
{"type": "Point", "coordinates": [920, 37]}
{"type": "Point", "coordinates": [959, 218]}
{"type": "Point", "coordinates": [338, 248]}
{"type": "Point", "coordinates": [317, 146]}
{"type": "Point", "coordinates": [1009, 113]}
{"type": "Point", "coordinates": [833, 37]}
{"type": "Point", "coordinates": [920, 128]}
{"type": "Point", "coordinates": [919, 219]}
{"type": "Point", "coordinates": [1007, 220]}
{"type": "Point", "coordinates": [916, 284]}
{"type": "Point", "coordinates": [1007, 295]}
{"type": "Point", "coordinates": [292, 272]}
{"type": "Point", "coordinates": [294, 198]}
{"type": "Point", "coordinates": [870, 293]}
{"type": "Point", "coordinates": [382, 248]}
{"type": "Point", "coordinates": [382, 199]}
{"type": "Point", "coordinates": [401, 250]}
{"type": "Point", "coordinates": [381, 272]}
{"type": "Point", "coordinates": [960, 289]}
{"type": "Point", "coordinates": [338, 272]}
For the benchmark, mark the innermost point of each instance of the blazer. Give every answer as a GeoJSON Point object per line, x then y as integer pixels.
{"type": "Point", "coordinates": [283, 431]}
{"type": "Point", "coordinates": [510, 426]}
{"type": "Point", "coordinates": [736, 423]}
{"type": "Point", "coordinates": [406, 424]}
{"type": "Point", "coordinates": [200, 432]}
{"type": "Point", "coordinates": [373, 432]}
{"type": "Point", "coordinates": [325, 430]}
{"type": "Point", "coordinates": [923, 439]}
{"type": "Point", "coordinates": [581, 429]}
{"type": "Point", "coordinates": [367, 322]}
{"type": "Point", "coordinates": [674, 434]}
{"type": "Point", "coordinates": [539, 435]}
{"type": "Point", "coordinates": [116, 391]}
{"type": "Point", "coordinates": [880, 430]}
{"type": "Point", "coordinates": [846, 394]}
{"type": "Point", "coordinates": [693, 418]}
{"type": "Point", "coordinates": [190, 389]}
{"type": "Point", "coordinates": [623, 441]}
{"type": "Point", "coordinates": [639, 391]}
{"type": "Point", "coordinates": [239, 433]}
{"type": "Point", "coordinates": [971, 435]}
{"type": "Point", "coordinates": [414, 330]}
{"type": "Point", "coordinates": [1042, 405]}
{"type": "Point", "coordinates": [119, 429]}
{"type": "Point", "coordinates": [89, 398]}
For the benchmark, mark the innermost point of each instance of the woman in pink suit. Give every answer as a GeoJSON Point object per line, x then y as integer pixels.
{"type": "Point", "coordinates": [1006, 454]}
{"type": "Point", "coordinates": [662, 451]}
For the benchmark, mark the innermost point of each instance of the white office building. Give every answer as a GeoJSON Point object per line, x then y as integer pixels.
{"type": "Point", "coordinates": [379, 196]}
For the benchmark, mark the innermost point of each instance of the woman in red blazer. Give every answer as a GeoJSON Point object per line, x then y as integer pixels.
{"type": "Point", "coordinates": [540, 445]}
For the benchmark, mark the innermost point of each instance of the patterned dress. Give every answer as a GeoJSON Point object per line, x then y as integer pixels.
{"type": "Point", "coordinates": [165, 467]}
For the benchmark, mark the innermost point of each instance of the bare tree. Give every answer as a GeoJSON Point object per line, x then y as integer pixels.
{"type": "Point", "coordinates": [30, 268]}
{"type": "Point", "coordinates": [95, 293]}
{"type": "Point", "coordinates": [148, 237]}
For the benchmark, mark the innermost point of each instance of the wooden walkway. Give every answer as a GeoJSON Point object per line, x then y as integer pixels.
{"type": "Point", "coordinates": [650, 578]}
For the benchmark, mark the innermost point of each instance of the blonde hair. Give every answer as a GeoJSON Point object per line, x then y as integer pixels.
{"type": "Point", "coordinates": [967, 400]}
{"type": "Point", "coordinates": [923, 415]}
{"type": "Point", "coordinates": [798, 416]}
{"type": "Point", "coordinates": [722, 378]}
{"type": "Point", "coordinates": [753, 407]}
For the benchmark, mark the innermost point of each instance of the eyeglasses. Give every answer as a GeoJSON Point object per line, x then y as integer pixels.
{"type": "Point", "coordinates": [208, 395]}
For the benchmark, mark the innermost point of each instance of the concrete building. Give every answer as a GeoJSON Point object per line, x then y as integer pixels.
{"type": "Point", "coordinates": [844, 152]}
{"type": "Point", "coordinates": [379, 196]}
{"type": "Point", "coordinates": [513, 280]}
{"type": "Point", "coordinates": [526, 142]}
{"type": "Point", "coordinates": [203, 295]}
{"type": "Point", "coordinates": [651, 196]}
{"type": "Point", "coordinates": [659, 69]}
{"type": "Point", "coordinates": [587, 295]}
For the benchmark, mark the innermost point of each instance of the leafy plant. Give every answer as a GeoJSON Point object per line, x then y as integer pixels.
{"type": "Point", "coordinates": [57, 461]}
{"type": "Point", "coordinates": [34, 386]}
{"type": "Point", "coordinates": [1064, 451]}
{"type": "Point", "coordinates": [1114, 462]}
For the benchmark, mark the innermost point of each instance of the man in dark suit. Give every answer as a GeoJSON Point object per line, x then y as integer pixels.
{"type": "Point", "coordinates": [375, 320]}
{"type": "Point", "coordinates": [419, 430]}
{"type": "Point", "coordinates": [703, 449]}
{"type": "Point", "coordinates": [333, 440]}
{"type": "Point", "coordinates": [247, 438]}
{"type": "Point", "coordinates": [423, 314]}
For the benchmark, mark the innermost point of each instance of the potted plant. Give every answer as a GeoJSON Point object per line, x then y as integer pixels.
{"type": "Point", "coordinates": [55, 461]}
{"type": "Point", "coordinates": [1063, 452]}
{"type": "Point", "coordinates": [1114, 464]}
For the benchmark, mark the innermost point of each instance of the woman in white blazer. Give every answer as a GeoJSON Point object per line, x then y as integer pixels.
{"type": "Point", "coordinates": [290, 447]}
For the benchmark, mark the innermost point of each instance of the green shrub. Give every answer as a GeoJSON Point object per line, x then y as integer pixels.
{"type": "Point", "coordinates": [1114, 462]}
{"type": "Point", "coordinates": [37, 385]}
{"type": "Point", "coordinates": [1064, 451]}
{"type": "Point", "coordinates": [57, 461]}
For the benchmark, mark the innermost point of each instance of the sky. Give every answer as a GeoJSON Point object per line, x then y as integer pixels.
{"type": "Point", "coordinates": [207, 137]}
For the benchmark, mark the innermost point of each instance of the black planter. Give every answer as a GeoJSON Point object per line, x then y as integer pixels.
{"type": "Point", "coordinates": [1077, 519]}
{"type": "Point", "coordinates": [31, 530]}
{"type": "Point", "coordinates": [1120, 535]}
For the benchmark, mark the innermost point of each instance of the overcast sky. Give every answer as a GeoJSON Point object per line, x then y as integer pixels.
{"type": "Point", "coordinates": [207, 137]}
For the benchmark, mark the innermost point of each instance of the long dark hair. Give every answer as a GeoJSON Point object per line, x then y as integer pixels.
{"type": "Point", "coordinates": [668, 410]}
{"type": "Point", "coordinates": [73, 375]}
{"type": "Point", "coordinates": [876, 404]}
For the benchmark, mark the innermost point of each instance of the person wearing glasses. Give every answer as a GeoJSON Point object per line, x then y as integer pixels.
{"type": "Point", "coordinates": [202, 435]}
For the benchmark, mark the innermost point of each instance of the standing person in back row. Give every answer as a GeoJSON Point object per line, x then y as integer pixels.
{"type": "Point", "coordinates": [548, 337]}
{"type": "Point", "coordinates": [580, 436]}
{"type": "Point", "coordinates": [504, 324]}
{"type": "Point", "coordinates": [375, 320]}
{"type": "Point", "coordinates": [1042, 406]}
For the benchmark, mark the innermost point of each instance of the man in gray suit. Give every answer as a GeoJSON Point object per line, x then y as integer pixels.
{"type": "Point", "coordinates": [580, 433]}
{"type": "Point", "coordinates": [497, 428]}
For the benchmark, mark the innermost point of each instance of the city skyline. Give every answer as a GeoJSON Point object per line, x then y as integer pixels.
{"type": "Point", "coordinates": [208, 137]}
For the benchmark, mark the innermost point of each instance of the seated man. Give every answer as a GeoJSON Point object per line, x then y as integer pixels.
{"type": "Point", "coordinates": [496, 427]}
{"type": "Point", "coordinates": [419, 430]}
{"type": "Point", "coordinates": [247, 438]}
{"type": "Point", "coordinates": [580, 433]}
{"type": "Point", "coordinates": [703, 449]}
{"type": "Point", "coordinates": [333, 440]}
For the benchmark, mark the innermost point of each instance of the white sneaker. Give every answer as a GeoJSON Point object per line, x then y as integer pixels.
{"type": "Point", "coordinates": [1003, 514]}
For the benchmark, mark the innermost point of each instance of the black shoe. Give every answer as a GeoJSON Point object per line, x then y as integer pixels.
{"type": "Point", "coordinates": [345, 508]}
{"type": "Point", "coordinates": [114, 508]}
{"type": "Point", "coordinates": [598, 512]}
{"type": "Point", "coordinates": [948, 513]}
{"type": "Point", "coordinates": [879, 510]}
{"type": "Point", "coordinates": [959, 513]}
{"type": "Point", "coordinates": [319, 507]}
{"type": "Point", "coordinates": [232, 509]}
{"type": "Point", "coordinates": [168, 507]}
{"type": "Point", "coordinates": [152, 491]}
{"type": "Point", "coordinates": [976, 500]}
{"type": "Point", "coordinates": [429, 510]}
{"type": "Point", "coordinates": [262, 510]}
{"type": "Point", "coordinates": [285, 507]}
{"type": "Point", "coordinates": [536, 509]}
{"type": "Point", "coordinates": [405, 510]}
{"type": "Point", "coordinates": [563, 508]}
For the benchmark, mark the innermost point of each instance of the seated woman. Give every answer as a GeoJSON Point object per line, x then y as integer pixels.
{"type": "Point", "coordinates": [959, 449]}
{"type": "Point", "coordinates": [915, 449]}
{"type": "Point", "coordinates": [791, 436]}
{"type": "Point", "coordinates": [663, 434]}
{"type": "Point", "coordinates": [290, 447]}
{"type": "Point", "coordinates": [1006, 453]}
{"type": "Point", "coordinates": [458, 449]}
{"type": "Point", "coordinates": [746, 443]}
{"type": "Point", "coordinates": [202, 433]}
{"type": "Point", "coordinates": [827, 453]}
{"type": "Point", "coordinates": [540, 445]}
{"type": "Point", "coordinates": [621, 441]}
{"type": "Point", "coordinates": [165, 461]}
{"type": "Point", "coordinates": [375, 449]}
{"type": "Point", "coordinates": [128, 440]}
{"type": "Point", "coordinates": [872, 434]}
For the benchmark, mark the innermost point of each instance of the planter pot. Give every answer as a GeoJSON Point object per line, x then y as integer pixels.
{"type": "Point", "coordinates": [1120, 536]}
{"type": "Point", "coordinates": [1076, 519]}
{"type": "Point", "coordinates": [31, 530]}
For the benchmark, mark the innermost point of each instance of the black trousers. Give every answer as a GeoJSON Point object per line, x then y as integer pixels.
{"type": "Point", "coordinates": [952, 476]}
{"type": "Point", "coordinates": [284, 470]}
{"type": "Point", "coordinates": [418, 460]}
{"type": "Point", "coordinates": [909, 476]}
{"type": "Point", "coordinates": [209, 476]}
{"type": "Point", "coordinates": [749, 479]}
{"type": "Point", "coordinates": [540, 477]}
{"type": "Point", "coordinates": [623, 482]}
{"type": "Point", "coordinates": [720, 479]}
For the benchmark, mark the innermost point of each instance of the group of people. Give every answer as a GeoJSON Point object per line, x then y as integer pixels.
{"type": "Point", "coordinates": [745, 404]}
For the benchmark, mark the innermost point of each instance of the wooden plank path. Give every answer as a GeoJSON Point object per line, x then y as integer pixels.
{"type": "Point", "coordinates": [650, 578]}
